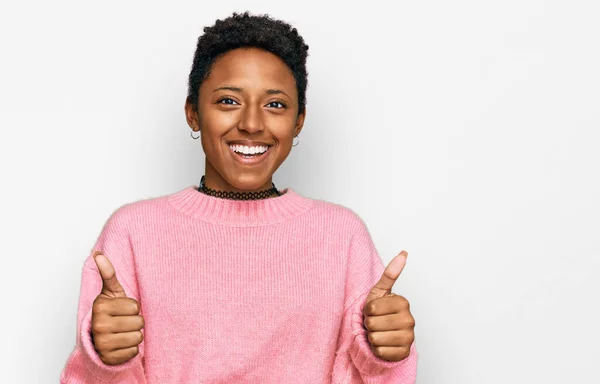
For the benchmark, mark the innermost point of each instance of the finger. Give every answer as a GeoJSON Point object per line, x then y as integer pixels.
{"type": "Point", "coordinates": [110, 284]}
{"type": "Point", "coordinates": [391, 353]}
{"type": "Point", "coordinates": [393, 322]}
{"type": "Point", "coordinates": [391, 273]}
{"type": "Point", "coordinates": [117, 324]}
{"type": "Point", "coordinates": [403, 338]}
{"type": "Point", "coordinates": [386, 305]}
{"type": "Point", "coordinates": [120, 355]}
{"type": "Point", "coordinates": [108, 342]}
{"type": "Point", "coordinates": [128, 323]}
{"type": "Point", "coordinates": [120, 306]}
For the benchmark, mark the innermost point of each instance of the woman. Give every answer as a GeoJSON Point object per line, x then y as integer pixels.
{"type": "Point", "coordinates": [236, 281]}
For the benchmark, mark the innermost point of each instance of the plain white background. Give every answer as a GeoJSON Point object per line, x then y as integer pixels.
{"type": "Point", "coordinates": [465, 132]}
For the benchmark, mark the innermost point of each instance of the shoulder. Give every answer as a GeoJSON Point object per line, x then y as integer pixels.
{"type": "Point", "coordinates": [338, 216]}
{"type": "Point", "coordinates": [129, 214]}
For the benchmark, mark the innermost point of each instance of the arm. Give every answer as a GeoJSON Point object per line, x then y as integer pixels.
{"type": "Point", "coordinates": [355, 362]}
{"type": "Point", "coordinates": [84, 364]}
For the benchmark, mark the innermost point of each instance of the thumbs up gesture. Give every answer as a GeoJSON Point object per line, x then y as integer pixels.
{"type": "Point", "coordinates": [386, 316]}
{"type": "Point", "coordinates": [116, 323]}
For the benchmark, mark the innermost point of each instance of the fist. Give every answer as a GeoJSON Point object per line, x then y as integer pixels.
{"type": "Point", "coordinates": [386, 316]}
{"type": "Point", "coordinates": [116, 322]}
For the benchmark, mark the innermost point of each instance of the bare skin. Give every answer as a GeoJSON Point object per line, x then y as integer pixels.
{"type": "Point", "coordinates": [116, 322]}
{"type": "Point", "coordinates": [390, 326]}
{"type": "Point", "coordinates": [250, 94]}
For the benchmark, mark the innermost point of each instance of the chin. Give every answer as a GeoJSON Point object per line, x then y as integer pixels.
{"type": "Point", "coordinates": [247, 181]}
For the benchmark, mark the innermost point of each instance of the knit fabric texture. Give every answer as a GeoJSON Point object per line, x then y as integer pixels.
{"type": "Point", "coordinates": [238, 291]}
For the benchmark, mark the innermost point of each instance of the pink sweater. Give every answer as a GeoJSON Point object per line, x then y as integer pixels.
{"type": "Point", "coordinates": [232, 291]}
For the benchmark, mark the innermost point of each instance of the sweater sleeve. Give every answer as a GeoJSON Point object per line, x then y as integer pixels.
{"type": "Point", "coordinates": [355, 362]}
{"type": "Point", "coordinates": [84, 364]}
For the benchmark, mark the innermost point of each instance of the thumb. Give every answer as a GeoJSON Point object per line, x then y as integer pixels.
{"type": "Point", "coordinates": [110, 284]}
{"type": "Point", "coordinates": [388, 278]}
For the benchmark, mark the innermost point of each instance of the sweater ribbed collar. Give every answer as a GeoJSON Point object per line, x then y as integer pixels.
{"type": "Point", "coordinates": [240, 213]}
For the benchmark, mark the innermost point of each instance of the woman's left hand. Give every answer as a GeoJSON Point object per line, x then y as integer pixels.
{"type": "Point", "coordinates": [386, 316]}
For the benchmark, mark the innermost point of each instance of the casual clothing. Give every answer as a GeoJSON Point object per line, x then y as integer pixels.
{"type": "Point", "coordinates": [239, 291]}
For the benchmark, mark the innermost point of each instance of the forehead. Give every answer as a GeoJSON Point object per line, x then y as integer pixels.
{"type": "Point", "coordinates": [251, 68]}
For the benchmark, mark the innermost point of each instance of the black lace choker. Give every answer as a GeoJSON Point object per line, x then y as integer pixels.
{"type": "Point", "coordinates": [238, 195]}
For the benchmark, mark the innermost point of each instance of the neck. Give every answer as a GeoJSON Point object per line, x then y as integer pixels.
{"type": "Point", "coordinates": [214, 180]}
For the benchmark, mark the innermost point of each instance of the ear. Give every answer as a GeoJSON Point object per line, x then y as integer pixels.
{"type": "Point", "coordinates": [191, 115]}
{"type": "Point", "coordinates": [300, 121]}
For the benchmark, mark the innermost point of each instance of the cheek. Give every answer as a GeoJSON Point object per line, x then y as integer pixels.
{"type": "Point", "coordinates": [216, 120]}
{"type": "Point", "coordinates": [214, 126]}
{"type": "Point", "coordinates": [281, 127]}
{"type": "Point", "coordinates": [284, 147]}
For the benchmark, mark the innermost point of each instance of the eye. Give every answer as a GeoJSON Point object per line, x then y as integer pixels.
{"type": "Point", "coordinates": [276, 105]}
{"type": "Point", "coordinates": [227, 100]}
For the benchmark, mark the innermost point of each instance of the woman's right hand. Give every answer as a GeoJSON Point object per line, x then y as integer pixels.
{"type": "Point", "coordinates": [116, 322]}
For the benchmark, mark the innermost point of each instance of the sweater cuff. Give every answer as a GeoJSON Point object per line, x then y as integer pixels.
{"type": "Point", "coordinates": [363, 357]}
{"type": "Point", "coordinates": [95, 365]}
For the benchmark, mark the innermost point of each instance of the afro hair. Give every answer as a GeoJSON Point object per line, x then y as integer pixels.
{"type": "Point", "coordinates": [245, 30]}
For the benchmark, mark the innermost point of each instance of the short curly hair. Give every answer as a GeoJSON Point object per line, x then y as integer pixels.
{"type": "Point", "coordinates": [245, 30]}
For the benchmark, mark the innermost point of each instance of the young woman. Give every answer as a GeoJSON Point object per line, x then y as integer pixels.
{"type": "Point", "coordinates": [236, 281]}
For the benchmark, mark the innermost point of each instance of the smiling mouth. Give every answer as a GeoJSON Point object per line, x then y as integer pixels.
{"type": "Point", "coordinates": [250, 159]}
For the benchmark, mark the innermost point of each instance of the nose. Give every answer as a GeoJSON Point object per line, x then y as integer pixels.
{"type": "Point", "coordinates": [250, 119]}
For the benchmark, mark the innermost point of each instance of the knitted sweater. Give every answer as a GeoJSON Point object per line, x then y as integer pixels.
{"type": "Point", "coordinates": [238, 291]}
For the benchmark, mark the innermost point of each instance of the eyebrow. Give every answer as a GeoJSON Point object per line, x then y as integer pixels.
{"type": "Point", "coordinates": [275, 92]}
{"type": "Point", "coordinates": [229, 88]}
{"type": "Point", "coordinates": [270, 91]}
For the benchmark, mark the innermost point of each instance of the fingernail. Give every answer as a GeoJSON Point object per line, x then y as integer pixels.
{"type": "Point", "coordinates": [396, 265]}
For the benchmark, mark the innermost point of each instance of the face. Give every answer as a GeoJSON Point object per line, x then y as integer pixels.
{"type": "Point", "coordinates": [250, 98]}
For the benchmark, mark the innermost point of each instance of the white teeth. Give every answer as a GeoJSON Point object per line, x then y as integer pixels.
{"type": "Point", "coordinates": [248, 150]}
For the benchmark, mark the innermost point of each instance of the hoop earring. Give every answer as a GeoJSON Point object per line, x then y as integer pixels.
{"type": "Point", "coordinates": [194, 137]}
{"type": "Point", "coordinates": [295, 137]}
